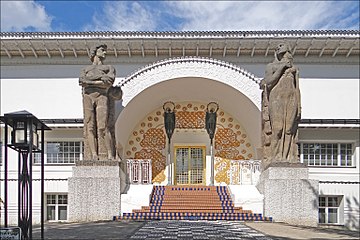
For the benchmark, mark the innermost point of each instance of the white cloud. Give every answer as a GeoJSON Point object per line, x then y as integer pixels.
{"type": "Point", "coordinates": [22, 15]}
{"type": "Point", "coordinates": [265, 15]}
{"type": "Point", "coordinates": [123, 16]}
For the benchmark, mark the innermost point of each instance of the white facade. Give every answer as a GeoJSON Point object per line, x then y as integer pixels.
{"type": "Point", "coordinates": [190, 69]}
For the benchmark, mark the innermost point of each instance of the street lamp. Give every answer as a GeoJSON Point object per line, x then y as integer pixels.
{"type": "Point", "coordinates": [25, 140]}
{"type": "Point", "coordinates": [210, 125]}
{"type": "Point", "coordinates": [169, 122]}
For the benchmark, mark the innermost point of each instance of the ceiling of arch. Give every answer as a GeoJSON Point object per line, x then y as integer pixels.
{"type": "Point", "coordinates": [193, 90]}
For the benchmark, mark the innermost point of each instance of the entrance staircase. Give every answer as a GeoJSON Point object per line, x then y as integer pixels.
{"type": "Point", "coordinates": [191, 203]}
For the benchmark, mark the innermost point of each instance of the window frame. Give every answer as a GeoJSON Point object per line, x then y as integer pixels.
{"type": "Point", "coordinates": [37, 161]}
{"type": "Point", "coordinates": [56, 205]}
{"type": "Point", "coordinates": [326, 207]}
{"type": "Point", "coordinates": [338, 154]}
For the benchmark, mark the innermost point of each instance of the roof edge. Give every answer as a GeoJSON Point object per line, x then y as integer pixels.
{"type": "Point", "coordinates": [303, 121]}
{"type": "Point", "coordinates": [167, 34]}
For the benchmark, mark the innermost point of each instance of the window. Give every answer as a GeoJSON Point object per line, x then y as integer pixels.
{"type": "Point", "coordinates": [190, 165]}
{"type": "Point", "coordinates": [345, 154]}
{"type": "Point", "coordinates": [329, 207]}
{"type": "Point", "coordinates": [56, 207]}
{"type": "Point", "coordinates": [327, 154]}
{"type": "Point", "coordinates": [61, 152]}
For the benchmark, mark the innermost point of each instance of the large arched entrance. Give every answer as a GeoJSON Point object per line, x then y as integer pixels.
{"type": "Point", "coordinates": [191, 83]}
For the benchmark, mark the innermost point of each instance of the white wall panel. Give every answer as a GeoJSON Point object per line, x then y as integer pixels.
{"type": "Point", "coordinates": [330, 98]}
{"type": "Point", "coordinates": [45, 98]}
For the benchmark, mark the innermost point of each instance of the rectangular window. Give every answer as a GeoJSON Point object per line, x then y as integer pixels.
{"type": "Point", "coordinates": [61, 152]}
{"type": "Point", "coordinates": [327, 154]}
{"type": "Point", "coordinates": [56, 207]}
{"type": "Point", "coordinates": [329, 209]}
{"type": "Point", "coordinates": [346, 154]}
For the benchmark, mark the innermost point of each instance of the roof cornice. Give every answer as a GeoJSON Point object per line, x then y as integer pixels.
{"type": "Point", "coordinates": [251, 46]}
{"type": "Point", "coordinates": [177, 34]}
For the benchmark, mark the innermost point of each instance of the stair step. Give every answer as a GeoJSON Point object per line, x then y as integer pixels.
{"type": "Point", "coordinates": [192, 216]}
{"type": "Point", "coordinates": [191, 202]}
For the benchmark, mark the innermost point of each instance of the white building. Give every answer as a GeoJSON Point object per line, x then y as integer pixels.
{"type": "Point", "coordinates": [40, 71]}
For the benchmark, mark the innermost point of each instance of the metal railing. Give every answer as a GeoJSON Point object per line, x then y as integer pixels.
{"type": "Point", "coordinates": [139, 171]}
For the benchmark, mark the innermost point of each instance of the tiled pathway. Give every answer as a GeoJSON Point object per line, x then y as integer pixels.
{"type": "Point", "coordinates": [197, 230]}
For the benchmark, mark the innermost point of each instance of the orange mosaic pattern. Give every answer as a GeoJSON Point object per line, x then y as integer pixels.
{"type": "Point", "coordinates": [158, 162]}
{"type": "Point", "coordinates": [190, 120]}
{"type": "Point", "coordinates": [226, 138]}
{"type": "Point", "coordinates": [154, 138]}
{"type": "Point", "coordinates": [148, 141]}
{"type": "Point", "coordinates": [222, 167]}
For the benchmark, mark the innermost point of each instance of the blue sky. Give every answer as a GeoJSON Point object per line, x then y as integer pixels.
{"type": "Point", "coordinates": [70, 16]}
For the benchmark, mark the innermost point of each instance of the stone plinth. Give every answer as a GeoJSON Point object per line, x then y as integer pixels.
{"type": "Point", "coordinates": [94, 191]}
{"type": "Point", "coordinates": [289, 195]}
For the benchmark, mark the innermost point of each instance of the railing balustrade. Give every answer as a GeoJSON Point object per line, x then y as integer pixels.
{"type": "Point", "coordinates": [139, 171]}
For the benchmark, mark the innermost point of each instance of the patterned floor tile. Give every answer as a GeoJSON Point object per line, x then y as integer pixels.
{"type": "Point", "coordinates": [206, 230]}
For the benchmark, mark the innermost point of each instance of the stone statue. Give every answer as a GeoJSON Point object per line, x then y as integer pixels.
{"type": "Point", "coordinates": [98, 103]}
{"type": "Point", "coordinates": [281, 108]}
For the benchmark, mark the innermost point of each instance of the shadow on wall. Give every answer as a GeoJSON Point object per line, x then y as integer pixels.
{"type": "Point", "coordinates": [315, 191]}
{"type": "Point", "coordinates": [124, 178]}
{"type": "Point", "coordinates": [353, 213]}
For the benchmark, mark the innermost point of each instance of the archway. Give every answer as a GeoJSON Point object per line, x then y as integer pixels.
{"type": "Point", "coordinates": [191, 79]}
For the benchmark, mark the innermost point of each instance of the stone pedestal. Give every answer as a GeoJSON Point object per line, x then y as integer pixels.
{"type": "Point", "coordinates": [94, 191]}
{"type": "Point", "coordinates": [289, 195]}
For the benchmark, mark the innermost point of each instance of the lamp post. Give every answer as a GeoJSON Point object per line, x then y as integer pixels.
{"type": "Point", "coordinates": [210, 124]}
{"type": "Point", "coordinates": [169, 122]}
{"type": "Point", "coordinates": [25, 140]}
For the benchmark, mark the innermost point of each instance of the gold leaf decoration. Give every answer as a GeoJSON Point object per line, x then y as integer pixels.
{"type": "Point", "coordinates": [153, 138]}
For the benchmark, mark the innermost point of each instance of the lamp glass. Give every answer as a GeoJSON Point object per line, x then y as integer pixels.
{"type": "Point", "coordinates": [19, 132]}
{"type": "Point", "coordinates": [19, 136]}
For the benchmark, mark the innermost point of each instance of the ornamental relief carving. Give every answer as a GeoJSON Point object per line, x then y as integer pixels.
{"type": "Point", "coordinates": [224, 72]}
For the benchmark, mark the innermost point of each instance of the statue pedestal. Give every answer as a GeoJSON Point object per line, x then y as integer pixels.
{"type": "Point", "coordinates": [289, 195]}
{"type": "Point", "coordinates": [94, 191]}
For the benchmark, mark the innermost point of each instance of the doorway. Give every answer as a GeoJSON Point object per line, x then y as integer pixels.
{"type": "Point", "coordinates": [190, 165]}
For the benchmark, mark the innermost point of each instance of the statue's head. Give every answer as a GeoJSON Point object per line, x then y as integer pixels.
{"type": "Point", "coordinates": [281, 49]}
{"type": "Point", "coordinates": [98, 50]}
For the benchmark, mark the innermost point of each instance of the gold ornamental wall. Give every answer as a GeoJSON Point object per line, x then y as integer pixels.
{"type": "Point", "coordinates": [148, 139]}
{"type": "Point", "coordinates": [231, 143]}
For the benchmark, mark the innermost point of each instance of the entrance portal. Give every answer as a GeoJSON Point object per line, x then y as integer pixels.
{"type": "Point", "coordinates": [190, 165]}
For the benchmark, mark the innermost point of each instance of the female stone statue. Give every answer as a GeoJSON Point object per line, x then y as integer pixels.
{"type": "Point", "coordinates": [282, 99]}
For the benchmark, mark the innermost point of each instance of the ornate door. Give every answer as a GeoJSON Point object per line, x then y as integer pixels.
{"type": "Point", "coordinates": [190, 165]}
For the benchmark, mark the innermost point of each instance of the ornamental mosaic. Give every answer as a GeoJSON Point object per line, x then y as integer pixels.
{"type": "Point", "coordinates": [231, 143]}
{"type": "Point", "coordinates": [190, 120]}
{"type": "Point", "coordinates": [148, 140]}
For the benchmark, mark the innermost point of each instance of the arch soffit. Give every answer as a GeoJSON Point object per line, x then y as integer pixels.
{"type": "Point", "coordinates": [224, 72]}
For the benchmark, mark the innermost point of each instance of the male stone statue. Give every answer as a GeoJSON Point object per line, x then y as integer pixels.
{"type": "Point", "coordinates": [281, 109]}
{"type": "Point", "coordinates": [98, 96]}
